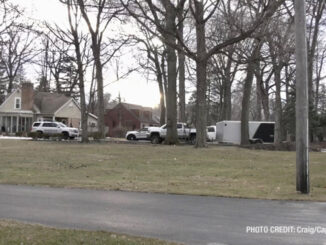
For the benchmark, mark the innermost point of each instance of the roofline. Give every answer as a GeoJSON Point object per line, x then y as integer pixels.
{"type": "Point", "coordinates": [37, 110]}
{"type": "Point", "coordinates": [133, 114]}
{"type": "Point", "coordinates": [238, 121]}
{"type": "Point", "coordinates": [13, 92]}
{"type": "Point", "coordinates": [92, 115]}
{"type": "Point", "coordinates": [71, 99]}
{"type": "Point", "coordinates": [17, 112]}
{"type": "Point", "coordinates": [142, 107]}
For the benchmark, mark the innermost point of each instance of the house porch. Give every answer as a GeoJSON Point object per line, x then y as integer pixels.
{"type": "Point", "coordinates": [12, 123]}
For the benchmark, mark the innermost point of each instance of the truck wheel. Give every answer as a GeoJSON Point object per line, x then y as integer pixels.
{"type": "Point", "coordinates": [193, 139]}
{"type": "Point", "coordinates": [155, 139]}
{"type": "Point", "coordinates": [131, 137]}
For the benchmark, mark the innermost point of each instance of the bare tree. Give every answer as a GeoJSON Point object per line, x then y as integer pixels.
{"type": "Point", "coordinates": [16, 50]}
{"type": "Point", "coordinates": [75, 37]}
{"type": "Point", "coordinates": [252, 63]}
{"type": "Point", "coordinates": [104, 11]}
{"type": "Point", "coordinates": [280, 42]}
{"type": "Point", "coordinates": [201, 13]}
{"type": "Point", "coordinates": [154, 51]}
{"type": "Point", "coordinates": [163, 17]}
{"type": "Point", "coordinates": [58, 65]}
{"type": "Point", "coordinates": [181, 62]}
{"type": "Point", "coordinates": [317, 9]}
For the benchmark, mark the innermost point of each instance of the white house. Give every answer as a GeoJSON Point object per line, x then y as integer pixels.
{"type": "Point", "coordinates": [24, 106]}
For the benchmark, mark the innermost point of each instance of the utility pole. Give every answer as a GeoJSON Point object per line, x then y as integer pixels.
{"type": "Point", "coordinates": [302, 110]}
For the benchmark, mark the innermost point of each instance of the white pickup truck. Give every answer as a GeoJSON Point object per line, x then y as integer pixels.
{"type": "Point", "coordinates": [157, 134]}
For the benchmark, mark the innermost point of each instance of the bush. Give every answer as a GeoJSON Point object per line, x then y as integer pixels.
{"type": "Point", "coordinates": [119, 132]}
{"type": "Point", "coordinates": [19, 134]}
{"type": "Point", "coordinates": [56, 137]}
{"type": "Point", "coordinates": [37, 135]}
{"type": "Point", "coordinates": [95, 135]}
{"type": "Point", "coordinates": [32, 135]}
{"type": "Point", "coordinates": [284, 146]}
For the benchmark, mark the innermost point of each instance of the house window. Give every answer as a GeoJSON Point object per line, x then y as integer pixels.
{"type": "Point", "coordinates": [17, 103]}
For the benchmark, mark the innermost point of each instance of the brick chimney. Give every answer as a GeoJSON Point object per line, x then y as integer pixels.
{"type": "Point", "coordinates": [27, 93]}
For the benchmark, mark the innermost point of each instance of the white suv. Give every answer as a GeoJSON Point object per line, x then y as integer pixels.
{"type": "Point", "coordinates": [54, 128]}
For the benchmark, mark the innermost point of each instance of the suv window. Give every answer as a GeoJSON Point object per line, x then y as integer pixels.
{"type": "Point", "coordinates": [211, 129]}
{"type": "Point", "coordinates": [50, 125]}
{"type": "Point", "coordinates": [36, 124]}
{"type": "Point", "coordinates": [179, 125]}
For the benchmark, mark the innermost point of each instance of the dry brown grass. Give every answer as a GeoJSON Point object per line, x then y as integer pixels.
{"type": "Point", "coordinates": [218, 171]}
{"type": "Point", "coordinates": [26, 234]}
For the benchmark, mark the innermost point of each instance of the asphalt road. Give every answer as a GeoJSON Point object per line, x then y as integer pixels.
{"type": "Point", "coordinates": [186, 219]}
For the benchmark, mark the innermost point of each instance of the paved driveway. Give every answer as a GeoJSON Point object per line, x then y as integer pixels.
{"type": "Point", "coordinates": [187, 219]}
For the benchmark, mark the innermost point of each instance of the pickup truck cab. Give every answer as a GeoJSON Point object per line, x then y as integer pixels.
{"type": "Point", "coordinates": [157, 134]}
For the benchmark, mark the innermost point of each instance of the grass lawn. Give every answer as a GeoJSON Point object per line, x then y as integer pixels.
{"type": "Point", "coordinates": [25, 234]}
{"type": "Point", "coordinates": [218, 171]}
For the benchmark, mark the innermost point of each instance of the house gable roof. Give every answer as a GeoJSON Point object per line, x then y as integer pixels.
{"type": "Point", "coordinates": [140, 118]}
{"type": "Point", "coordinates": [136, 107]}
{"type": "Point", "coordinates": [49, 103]}
{"type": "Point", "coordinates": [7, 99]}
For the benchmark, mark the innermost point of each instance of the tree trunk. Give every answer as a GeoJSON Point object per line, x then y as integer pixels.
{"type": "Point", "coordinates": [171, 125]}
{"type": "Point", "coordinates": [160, 81]}
{"type": "Point", "coordinates": [83, 107]}
{"type": "Point", "coordinates": [265, 103]}
{"type": "Point", "coordinates": [259, 81]}
{"type": "Point", "coordinates": [227, 105]}
{"type": "Point", "coordinates": [227, 85]}
{"type": "Point", "coordinates": [100, 89]}
{"type": "Point", "coordinates": [10, 84]}
{"type": "Point", "coordinates": [246, 105]}
{"type": "Point", "coordinates": [201, 68]}
{"type": "Point", "coordinates": [162, 98]}
{"type": "Point", "coordinates": [182, 92]}
{"type": "Point", "coordinates": [278, 106]}
{"type": "Point", "coordinates": [247, 92]}
{"type": "Point", "coordinates": [181, 59]}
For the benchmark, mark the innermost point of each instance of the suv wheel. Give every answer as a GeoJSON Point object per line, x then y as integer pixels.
{"type": "Point", "coordinates": [39, 134]}
{"type": "Point", "coordinates": [65, 135]}
{"type": "Point", "coordinates": [155, 139]}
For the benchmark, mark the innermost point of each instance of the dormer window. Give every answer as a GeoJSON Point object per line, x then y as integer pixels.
{"type": "Point", "coordinates": [17, 103]}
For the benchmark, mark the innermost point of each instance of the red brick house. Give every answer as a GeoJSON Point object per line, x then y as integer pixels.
{"type": "Point", "coordinates": [124, 117]}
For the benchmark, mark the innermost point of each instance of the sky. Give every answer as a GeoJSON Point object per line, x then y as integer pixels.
{"type": "Point", "coordinates": [133, 89]}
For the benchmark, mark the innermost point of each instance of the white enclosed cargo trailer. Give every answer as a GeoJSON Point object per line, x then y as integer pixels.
{"type": "Point", "coordinates": [230, 132]}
